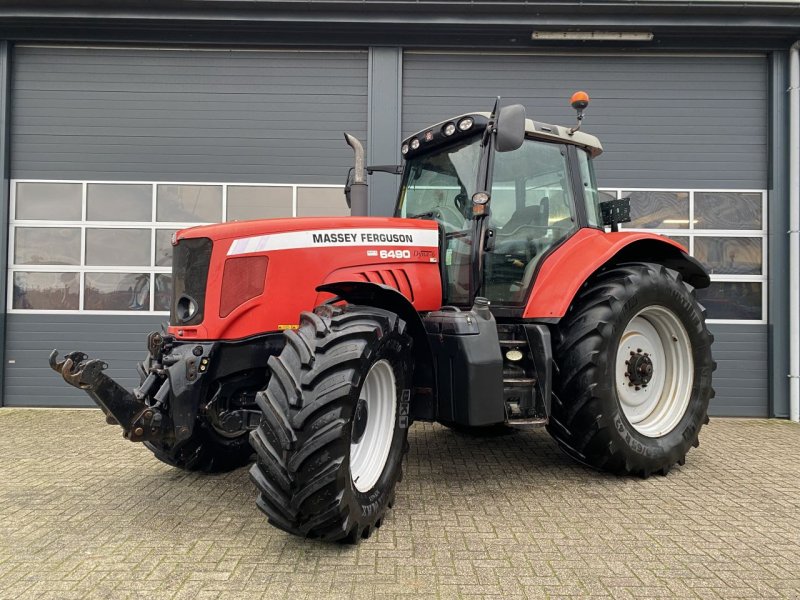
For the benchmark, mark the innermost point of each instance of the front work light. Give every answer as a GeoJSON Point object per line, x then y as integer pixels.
{"type": "Point", "coordinates": [449, 129]}
{"type": "Point", "coordinates": [466, 123]}
{"type": "Point", "coordinates": [414, 144]}
{"type": "Point", "coordinates": [404, 149]}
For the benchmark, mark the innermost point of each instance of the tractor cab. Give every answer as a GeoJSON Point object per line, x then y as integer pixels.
{"type": "Point", "coordinates": [501, 207]}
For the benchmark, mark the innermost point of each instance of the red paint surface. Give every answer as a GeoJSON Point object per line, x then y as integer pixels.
{"type": "Point", "coordinates": [293, 275]}
{"type": "Point", "coordinates": [565, 270]}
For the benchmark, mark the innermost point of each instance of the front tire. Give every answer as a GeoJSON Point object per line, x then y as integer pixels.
{"type": "Point", "coordinates": [330, 445]}
{"type": "Point", "coordinates": [633, 377]}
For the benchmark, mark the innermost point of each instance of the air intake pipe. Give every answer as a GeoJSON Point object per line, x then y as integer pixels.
{"type": "Point", "coordinates": [356, 188]}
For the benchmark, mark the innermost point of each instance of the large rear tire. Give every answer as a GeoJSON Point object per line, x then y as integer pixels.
{"type": "Point", "coordinates": [331, 442]}
{"type": "Point", "coordinates": [633, 371]}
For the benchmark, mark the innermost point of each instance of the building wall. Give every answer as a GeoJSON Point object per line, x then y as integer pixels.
{"type": "Point", "coordinates": [264, 128]}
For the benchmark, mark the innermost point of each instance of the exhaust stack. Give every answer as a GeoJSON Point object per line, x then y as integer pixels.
{"type": "Point", "coordinates": [356, 188]}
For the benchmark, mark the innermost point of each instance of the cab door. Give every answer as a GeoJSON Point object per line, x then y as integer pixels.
{"type": "Point", "coordinates": [532, 210]}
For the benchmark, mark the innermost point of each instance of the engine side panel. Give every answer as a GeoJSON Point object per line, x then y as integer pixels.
{"type": "Point", "coordinates": [571, 264]}
{"type": "Point", "coordinates": [305, 253]}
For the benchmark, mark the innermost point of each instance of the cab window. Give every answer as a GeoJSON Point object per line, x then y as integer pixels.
{"type": "Point", "coordinates": [532, 210]}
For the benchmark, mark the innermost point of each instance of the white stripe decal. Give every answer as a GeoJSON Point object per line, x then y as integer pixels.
{"type": "Point", "coordinates": [328, 238]}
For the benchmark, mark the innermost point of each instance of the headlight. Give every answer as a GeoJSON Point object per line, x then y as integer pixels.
{"type": "Point", "coordinates": [466, 123]}
{"type": "Point", "coordinates": [186, 308]}
{"type": "Point", "coordinates": [449, 129]}
{"type": "Point", "coordinates": [414, 144]}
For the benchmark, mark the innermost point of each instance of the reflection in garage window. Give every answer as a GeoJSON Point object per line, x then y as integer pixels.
{"type": "Point", "coordinates": [47, 246]}
{"type": "Point", "coordinates": [116, 291]}
{"type": "Point", "coordinates": [663, 210]}
{"type": "Point", "coordinates": [45, 291]}
{"type": "Point", "coordinates": [104, 245]}
{"type": "Point", "coordinates": [732, 300]}
{"type": "Point", "coordinates": [724, 230]}
{"type": "Point", "coordinates": [163, 291]}
{"type": "Point", "coordinates": [189, 203]}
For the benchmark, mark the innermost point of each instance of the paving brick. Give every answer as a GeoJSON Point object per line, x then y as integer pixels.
{"type": "Point", "coordinates": [85, 514]}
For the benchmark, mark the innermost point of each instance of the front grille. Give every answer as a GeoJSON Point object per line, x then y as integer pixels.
{"type": "Point", "coordinates": [190, 261]}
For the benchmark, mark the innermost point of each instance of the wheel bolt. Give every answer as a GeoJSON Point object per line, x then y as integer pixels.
{"type": "Point", "coordinates": [637, 388]}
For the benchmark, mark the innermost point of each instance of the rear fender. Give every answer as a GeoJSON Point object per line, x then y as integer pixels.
{"type": "Point", "coordinates": [588, 251]}
{"type": "Point", "coordinates": [423, 399]}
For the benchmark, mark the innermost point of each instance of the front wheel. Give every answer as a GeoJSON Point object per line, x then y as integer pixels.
{"type": "Point", "coordinates": [634, 365]}
{"type": "Point", "coordinates": [331, 442]}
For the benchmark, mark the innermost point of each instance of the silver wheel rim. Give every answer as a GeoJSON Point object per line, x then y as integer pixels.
{"type": "Point", "coordinates": [369, 454]}
{"type": "Point", "coordinates": [656, 337]}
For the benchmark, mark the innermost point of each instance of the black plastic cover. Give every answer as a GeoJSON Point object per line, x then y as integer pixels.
{"type": "Point", "coordinates": [469, 367]}
{"type": "Point", "coordinates": [190, 262]}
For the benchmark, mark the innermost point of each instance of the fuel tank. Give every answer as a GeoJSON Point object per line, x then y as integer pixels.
{"type": "Point", "coordinates": [235, 280]}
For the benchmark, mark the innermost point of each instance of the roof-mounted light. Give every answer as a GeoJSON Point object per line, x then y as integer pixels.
{"type": "Point", "coordinates": [404, 149]}
{"type": "Point", "coordinates": [449, 129]}
{"type": "Point", "coordinates": [466, 123]}
{"type": "Point", "coordinates": [414, 144]}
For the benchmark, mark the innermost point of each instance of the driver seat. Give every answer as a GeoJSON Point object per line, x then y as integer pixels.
{"type": "Point", "coordinates": [536, 215]}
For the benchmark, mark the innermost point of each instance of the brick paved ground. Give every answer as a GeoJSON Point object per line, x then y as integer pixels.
{"type": "Point", "coordinates": [84, 513]}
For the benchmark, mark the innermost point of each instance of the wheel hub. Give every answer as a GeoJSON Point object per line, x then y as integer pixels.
{"type": "Point", "coordinates": [373, 426]}
{"type": "Point", "coordinates": [654, 371]}
{"type": "Point", "coordinates": [359, 421]}
{"type": "Point", "coordinates": [640, 369]}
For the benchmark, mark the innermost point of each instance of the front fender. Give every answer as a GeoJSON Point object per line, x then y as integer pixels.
{"type": "Point", "coordinates": [565, 270]}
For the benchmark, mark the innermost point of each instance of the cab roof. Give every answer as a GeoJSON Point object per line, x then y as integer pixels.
{"type": "Point", "coordinates": [535, 129]}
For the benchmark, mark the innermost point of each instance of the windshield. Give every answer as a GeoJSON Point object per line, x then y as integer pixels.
{"type": "Point", "coordinates": [440, 185]}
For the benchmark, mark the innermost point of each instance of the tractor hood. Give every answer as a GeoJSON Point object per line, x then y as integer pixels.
{"type": "Point", "coordinates": [234, 279]}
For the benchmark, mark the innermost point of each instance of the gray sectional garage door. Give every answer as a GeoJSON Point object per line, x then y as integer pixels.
{"type": "Point", "coordinates": [688, 132]}
{"type": "Point", "coordinates": [192, 126]}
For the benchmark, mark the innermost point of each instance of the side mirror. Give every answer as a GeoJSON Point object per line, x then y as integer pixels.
{"type": "Point", "coordinates": [510, 128]}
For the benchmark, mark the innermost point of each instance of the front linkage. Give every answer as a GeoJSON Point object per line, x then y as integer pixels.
{"type": "Point", "coordinates": [164, 407]}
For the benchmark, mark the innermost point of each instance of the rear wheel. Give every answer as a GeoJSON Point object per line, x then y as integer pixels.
{"type": "Point", "coordinates": [330, 445]}
{"type": "Point", "coordinates": [633, 381]}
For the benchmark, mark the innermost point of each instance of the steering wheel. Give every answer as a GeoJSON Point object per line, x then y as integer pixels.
{"type": "Point", "coordinates": [454, 223]}
{"type": "Point", "coordinates": [521, 242]}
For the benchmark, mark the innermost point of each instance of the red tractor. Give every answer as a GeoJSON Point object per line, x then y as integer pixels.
{"type": "Point", "coordinates": [494, 298]}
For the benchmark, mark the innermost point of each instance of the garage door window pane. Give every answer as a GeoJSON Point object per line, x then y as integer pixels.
{"type": "Point", "coordinates": [163, 291]}
{"type": "Point", "coordinates": [49, 201]}
{"type": "Point", "coordinates": [117, 291]}
{"type": "Point", "coordinates": [732, 300]}
{"type": "Point", "coordinates": [164, 247]}
{"type": "Point", "coordinates": [682, 240]}
{"type": "Point", "coordinates": [664, 210]}
{"type": "Point", "coordinates": [119, 202]}
{"type": "Point", "coordinates": [46, 291]}
{"type": "Point", "coordinates": [189, 203]}
{"type": "Point", "coordinates": [117, 247]}
{"type": "Point", "coordinates": [47, 246]}
{"type": "Point", "coordinates": [727, 210]}
{"type": "Point", "coordinates": [321, 202]}
{"type": "Point", "coordinates": [258, 202]}
{"type": "Point", "coordinates": [729, 256]}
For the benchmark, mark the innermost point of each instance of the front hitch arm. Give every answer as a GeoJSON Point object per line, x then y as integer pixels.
{"type": "Point", "coordinates": [139, 421]}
